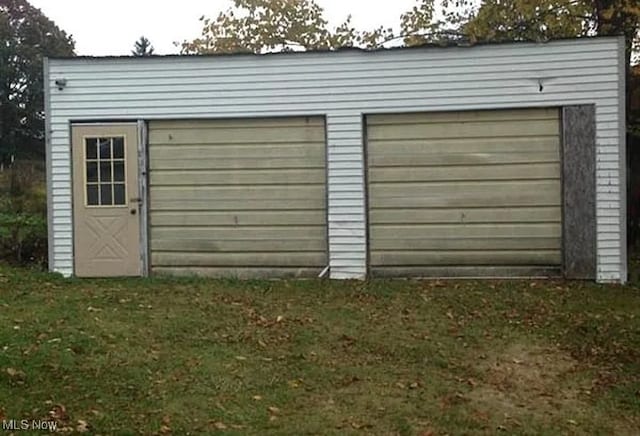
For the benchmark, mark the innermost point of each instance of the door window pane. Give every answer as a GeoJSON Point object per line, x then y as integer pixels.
{"type": "Point", "coordinates": [118, 147]}
{"type": "Point", "coordinates": [105, 194]}
{"type": "Point", "coordinates": [118, 171]}
{"type": "Point", "coordinates": [105, 148]}
{"type": "Point", "coordinates": [92, 172]}
{"type": "Point", "coordinates": [105, 171]}
{"type": "Point", "coordinates": [118, 194]}
{"type": "Point", "coordinates": [91, 148]}
{"type": "Point", "coordinates": [92, 195]}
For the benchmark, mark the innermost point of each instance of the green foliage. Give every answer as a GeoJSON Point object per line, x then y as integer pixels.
{"type": "Point", "coordinates": [142, 47]}
{"type": "Point", "coordinates": [513, 20]}
{"type": "Point", "coordinates": [257, 26]}
{"type": "Point", "coordinates": [417, 24]}
{"type": "Point", "coordinates": [26, 37]}
{"type": "Point", "coordinates": [23, 216]}
{"type": "Point", "coordinates": [23, 237]}
{"type": "Point", "coordinates": [254, 26]}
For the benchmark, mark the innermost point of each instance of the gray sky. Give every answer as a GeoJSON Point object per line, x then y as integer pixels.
{"type": "Point", "coordinates": [110, 27]}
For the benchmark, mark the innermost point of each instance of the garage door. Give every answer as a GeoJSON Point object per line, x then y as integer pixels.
{"type": "Point", "coordinates": [465, 193]}
{"type": "Point", "coordinates": [238, 198]}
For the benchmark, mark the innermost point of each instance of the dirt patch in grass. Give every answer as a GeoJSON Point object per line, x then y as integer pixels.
{"type": "Point", "coordinates": [525, 382]}
{"type": "Point", "coordinates": [522, 380]}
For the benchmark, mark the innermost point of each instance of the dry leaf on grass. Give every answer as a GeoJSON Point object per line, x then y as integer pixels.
{"type": "Point", "coordinates": [82, 426]}
{"type": "Point", "coordinates": [220, 425]}
{"type": "Point", "coordinates": [15, 373]}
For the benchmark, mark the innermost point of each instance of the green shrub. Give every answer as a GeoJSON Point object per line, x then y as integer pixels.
{"type": "Point", "coordinates": [23, 214]}
{"type": "Point", "coordinates": [23, 237]}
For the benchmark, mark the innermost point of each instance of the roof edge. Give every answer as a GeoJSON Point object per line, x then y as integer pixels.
{"type": "Point", "coordinates": [450, 44]}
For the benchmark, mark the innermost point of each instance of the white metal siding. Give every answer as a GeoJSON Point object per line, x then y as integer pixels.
{"type": "Point", "coordinates": [343, 86]}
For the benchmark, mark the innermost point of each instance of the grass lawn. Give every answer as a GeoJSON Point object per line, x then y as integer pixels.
{"type": "Point", "coordinates": [192, 356]}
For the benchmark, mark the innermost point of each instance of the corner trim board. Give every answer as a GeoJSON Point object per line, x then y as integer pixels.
{"type": "Point", "coordinates": [49, 167]}
{"type": "Point", "coordinates": [622, 119]}
{"type": "Point", "coordinates": [143, 136]}
{"type": "Point", "coordinates": [579, 232]}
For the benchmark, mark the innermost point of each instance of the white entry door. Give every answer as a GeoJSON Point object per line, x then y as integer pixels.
{"type": "Point", "coordinates": [106, 200]}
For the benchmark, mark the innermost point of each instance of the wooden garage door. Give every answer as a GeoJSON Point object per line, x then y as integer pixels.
{"type": "Point", "coordinates": [465, 193]}
{"type": "Point", "coordinates": [238, 198]}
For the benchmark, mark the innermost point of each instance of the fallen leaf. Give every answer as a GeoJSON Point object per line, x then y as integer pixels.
{"type": "Point", "coordinates": [414, 385]}
{"type": "Point", "coordinates": [273, 410]}
{"type": "Point", "coordinates": [59, 413]}
{"type": "Point", "coordinates": [280, 318]}
{"type": "Point", "coordinates": [82, 427]}
{"type": "Point", "coordinates": [241, 358]}
{"type": "Point", "coordinates": [220, 425]}
{"type": "Point", "coordinates": [13, 372]}
{"type": "Point", "coordinates": [295, 383]}
{"type": "Point", "coordinates": [257, 397]}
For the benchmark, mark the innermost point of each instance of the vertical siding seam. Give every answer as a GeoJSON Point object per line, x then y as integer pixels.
{"type": "Point", "coordinates": [49, 165]}
{"type": "Point", "coordinates": [69, 191]}
{"type": "Point", "coordinates": [622, 84]}
{"type": "Point", "coordinates": [326, 197]}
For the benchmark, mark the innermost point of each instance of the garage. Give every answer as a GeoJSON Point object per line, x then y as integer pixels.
{"type": "Point", "coordinates": [240, 198]}
{"type": "Point", "coordinates": [470, 193]}
{"type": "Point", "coordinates": [489, 160]}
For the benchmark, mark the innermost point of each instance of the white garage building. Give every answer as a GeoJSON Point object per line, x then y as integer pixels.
{"type": "Point", "coordinates": [503, 160]}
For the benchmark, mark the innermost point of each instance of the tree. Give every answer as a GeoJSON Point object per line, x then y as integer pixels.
{"type": "Point", "coordinates": [258, 26]}
{"type": "Point", "coordinates": [142, 47]}
{"type": "Point", "coordinates": [26, 37]}
{"type": "Point", "coordinates": [255, 26]}
{"type": "Point", "coordinates": [509, 20]}
{"type": "Point", "coordinates": [518, 20]}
